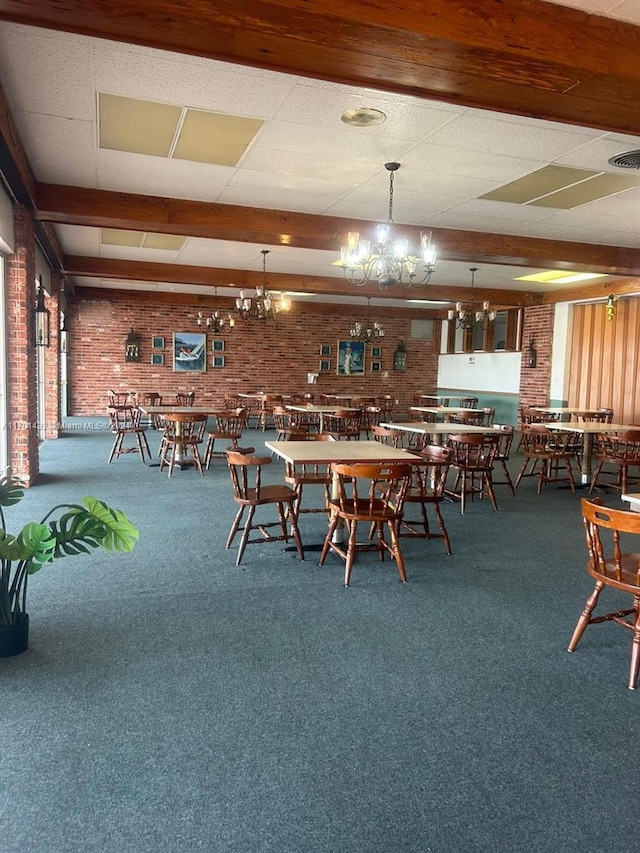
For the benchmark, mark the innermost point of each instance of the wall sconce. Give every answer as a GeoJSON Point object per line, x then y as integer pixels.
{"type": "Point", "coordinates": [42, 318]}
{"type": "Point", "coordinates": [532, 354]}
{"type": "Point", "coordinates": [400, 357]}
{"type": "Point", "coordinates": [610, 307]}
{"type": "Point", "coordinates": [132, 347]}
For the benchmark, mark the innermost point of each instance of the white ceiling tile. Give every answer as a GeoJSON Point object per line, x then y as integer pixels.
{"type": "Point", "coordinates": [481, 165]}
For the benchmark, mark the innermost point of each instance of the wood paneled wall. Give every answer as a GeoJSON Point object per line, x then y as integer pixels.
{"type": "Point", "coordinates": [605, 357]}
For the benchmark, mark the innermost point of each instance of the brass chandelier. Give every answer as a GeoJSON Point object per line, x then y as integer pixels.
{"type": "Point", "coordinates": [367, 331]}
{"type": "Point", "coordinates": [468, 315]}
{"type": "Point", "coordinates": [387, 261]}
{"type": "Point", "coordinates": [263, 306]}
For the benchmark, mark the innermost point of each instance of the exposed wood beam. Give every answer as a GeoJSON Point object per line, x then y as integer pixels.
{"type": "Point", "coordinates": [124, 270]}
{"type": "Point", "coordinates": [105, 209]}
{"type": "Point", "coordinates": [525, 57]}
{"type": "Point", "coordinates": [592, 291]}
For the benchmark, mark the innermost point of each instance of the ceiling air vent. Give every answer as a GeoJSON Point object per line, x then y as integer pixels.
{"type": "Point", "coordinates": [627, 160]}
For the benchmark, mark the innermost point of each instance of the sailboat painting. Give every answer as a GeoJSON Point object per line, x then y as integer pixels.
{"type": "Point", "coordinates": [189, 351]}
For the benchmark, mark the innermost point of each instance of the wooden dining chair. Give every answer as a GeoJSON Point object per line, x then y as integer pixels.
{"type": "Point", "coordinates": [427, 491]}
{"type": "Point", "coordinates": [373, 494]}
{"type": "Point", "coordinates": [606, 530]}
{"type": "Point", "coordinates": [616, 456]}
{"type": "Point", "coordinates": [505, 434]}
{"type": "Point", "coordinates": [185, 399]}
{"type": "Point", "coordinates": [468, 402]}
{"type": "Point", "coordinates": [471, 461]}
{"type": "Point", "coordinates": [228, 428]}
{"type": "Point", "coordinates": [301, 474]}
{"type": "Point", "coordinates": [124, 422]}
{"type": "Point", "coordinates": [344, 424]}
{"type": "Point", "coordinates": [249, 493]}
{"type": "Point", "coordinates": [181, 441]}
{"type": "Point", "coordinates": [546, 454]}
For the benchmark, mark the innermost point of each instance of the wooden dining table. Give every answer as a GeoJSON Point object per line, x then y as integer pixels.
{"type": "Point", "coordinates": [342, 452]}
{"type": "Point", "coordinates": [436, 430]}
{"type": "Point", "coordinates": [565, 411]}
{"type": "Point", "coordinates": [169, 410]}
{"type": "Point", "coordinates": [443, 411]}
{"type": "Point", "coordinates": [587, 430]}
{"type": "Point", "coordinates": [312, 408]}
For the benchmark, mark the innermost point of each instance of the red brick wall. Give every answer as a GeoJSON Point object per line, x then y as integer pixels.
{"type": "Point", "coordinates": [21, 355]}
{"type": "Point", "coordinates": [535, 381]}
{"type": "Point", "coordinates": [258, 357]}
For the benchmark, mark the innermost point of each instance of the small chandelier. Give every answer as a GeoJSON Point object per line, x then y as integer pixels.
{"type": "Point", "coordinates": [387, 261]}
{"type": "Point", "coordinates": [215, 322]}
{"type": "Point", "coordinates": [367, 331]}
{"type": "Point", "coordinates": [468, 315]}
{"type": "Point", "coordinates": [263, 306]}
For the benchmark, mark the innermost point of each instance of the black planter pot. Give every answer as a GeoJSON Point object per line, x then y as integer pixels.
{"type": "Point", "coordinates": [14, 639]}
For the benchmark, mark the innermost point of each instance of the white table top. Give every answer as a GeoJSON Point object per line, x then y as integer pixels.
{"type": "Point", "coordinates": [446, 410]}
{"type": "Point", "coordinates": [564, 410]}
{"type": "Point", "coordinates": [312, 408]}
{"type": "Point", "coordinates": [437, 429]}
{"type": "Point", "coordinates": [182, 410]}
{"type": "Point", "coordinates": [312, 452]}
{"type": "Point", "coordinates": [633, 499]}
{"type": "Point", "coordinates": [585, 428]}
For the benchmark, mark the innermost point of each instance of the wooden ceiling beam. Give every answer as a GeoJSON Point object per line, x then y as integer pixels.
{"type": "Point", "coordinates": [525, 57]}
{"type": "Point", "coordinates": [129, 211]}
{"type": "Point", "coordinates": [125, 270]}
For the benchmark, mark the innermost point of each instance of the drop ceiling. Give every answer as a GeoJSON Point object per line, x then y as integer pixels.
{"type": "Point", "coordinates": [125, 118]}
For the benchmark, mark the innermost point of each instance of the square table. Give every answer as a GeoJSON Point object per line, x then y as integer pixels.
{"type": "Point", "coordinates": [179, 410]}
{"type": "Point", "coordinates": [588, 430]}
{"type": "Point", "coordinates": [343, 452]}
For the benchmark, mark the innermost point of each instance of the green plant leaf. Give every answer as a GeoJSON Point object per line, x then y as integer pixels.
{"type": "Point", "coordinates": [10, 492]}
{"type": "Point", "coordinates": [120, 533]}
{"type": "Point", "coordinates": [37, 545]}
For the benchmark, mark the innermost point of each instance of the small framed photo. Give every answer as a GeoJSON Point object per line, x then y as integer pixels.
{"type": "Point", "coordinates": [157, 342]}
{"type": "Point", "coordinates": [218, 361]}
{"type": "Point", "coordinates": [157, 358]}
{"type": "Point", "coordinates": [375, 367]}
{"type": "Point", "coordinates": [376, 352]}
{"type": "Point", "coordinates": [325, 364]}
{"type": "Point", "coordinates": [325, 349]}
{"type": "Point", "coordinates": [217, 345]}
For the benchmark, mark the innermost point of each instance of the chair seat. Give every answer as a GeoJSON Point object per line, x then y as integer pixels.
{"type": "Point", "coordinates": [268, 494]}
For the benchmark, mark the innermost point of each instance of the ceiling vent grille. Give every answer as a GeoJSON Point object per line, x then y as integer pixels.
{"type": "Point", "coordinates": [627, 160]}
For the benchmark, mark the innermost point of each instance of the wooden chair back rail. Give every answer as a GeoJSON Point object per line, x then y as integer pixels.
{"type": "Point", "coordinates": [300, 474]}
{"type": "Point", "coordinates": [185, 399]}
{"type": "Point", "coordinates": [125, 421]}
{"type": "Point", "coordinates": [610, 566]}
{"type": "Point", "coordinates": [373, 493]}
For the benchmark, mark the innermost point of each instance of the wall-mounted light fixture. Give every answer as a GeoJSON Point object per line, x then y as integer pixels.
{"type": "Point", "coordinates": [532, 354]}
{"type": "Point", "coordinates": [132, 347]}
{"type": "Point", "coordinates": [610, 307]}
{"type": "Point", "coordinates": [42, 318]}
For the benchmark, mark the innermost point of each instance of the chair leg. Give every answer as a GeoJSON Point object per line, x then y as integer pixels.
{"type": "Point", "coordinates": [351, 552]}
{"type": "Point", "coordinates": [635, 647]}
{"type": "Point", "coordinates": [295, 532]}
{"type": "Point", "coordinates": [508, 476]}
{"type": "Point", "coordinates": [585, 616]}
{"type": "Point", "coordinates": [234, 528]}
{"type": "Point", "coordinates": [333, 523]}
{"type": "Point", "coordinates": [117, 444]}
{"type": "Point", "coordinates": [396, 551]}
{"type": "Point", "coordinates": [208, 453]}
{"type": "Point", "coordinates": [443, 529]}
{"type": "Point", "coordinates": [488, 482]}
{"type": "Point", "coordinates": [245, 534]}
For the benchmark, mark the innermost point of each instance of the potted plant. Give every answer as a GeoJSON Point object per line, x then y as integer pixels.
{"type": "Point", "coordinates": [67, 530]}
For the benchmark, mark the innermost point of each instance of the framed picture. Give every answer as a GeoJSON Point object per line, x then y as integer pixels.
{"type": "Point", "coordinates": [218, 361]}
{"type": "Point", "coordinates": [375, 367]}
{"type": "Point", "coordinates": [325, 349]}
{"type": "Point", "coordinates": [189, 352]}
{"type": "Point", "coordinates": [376, 352]}
{"type": "Point", "coordinates": [217, 345]}
{"type": "Point", "coordinates": [157, 358]}
{"type": "Point", "coordinates": [351, 357]}
{"type": "Point", "coordinates": [325, 364]}
{"type": "Point", "coordinates": [157, 342]}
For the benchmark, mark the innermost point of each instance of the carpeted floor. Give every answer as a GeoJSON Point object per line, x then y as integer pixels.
{"type": "Point", "coordinates": [171, 701]}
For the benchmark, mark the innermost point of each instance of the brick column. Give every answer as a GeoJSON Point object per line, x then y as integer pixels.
{"type": "Point", "coordinates": [536, 381]}
{"type": "Point", "coordinates": [21, 356]}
